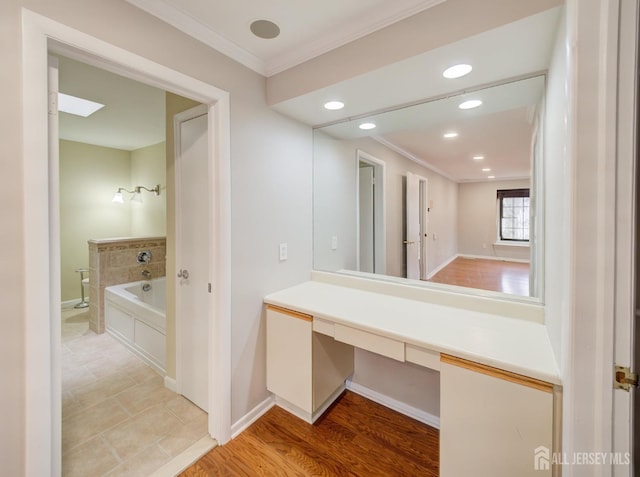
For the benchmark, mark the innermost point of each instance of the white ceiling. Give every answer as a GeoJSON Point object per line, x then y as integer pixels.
{"type": "Point", "coordinates": [132, 119]}
{"type": "Point", "coordinates": [133, 115]}
{"type": "Point", "coordinates": [307, 29]}
{"type": "Point", "coordinates": [517, 49]}
{"type": "Point", "coordinates": [501, 130]}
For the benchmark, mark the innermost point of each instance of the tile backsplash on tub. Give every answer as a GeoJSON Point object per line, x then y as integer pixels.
{"type": "Point", "coordinates": [114, 261]}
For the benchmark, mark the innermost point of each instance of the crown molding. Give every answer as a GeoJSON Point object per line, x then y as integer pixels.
{"type": "Point", "coordinates": [338, 37]}
{"type": "Point", "coordinates": [192, 27]}
{"type": "Point", "coordinates": [413, 158]}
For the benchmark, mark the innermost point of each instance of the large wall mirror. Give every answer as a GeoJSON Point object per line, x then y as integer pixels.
{"type": "Point", "coordinates": [447, 191]}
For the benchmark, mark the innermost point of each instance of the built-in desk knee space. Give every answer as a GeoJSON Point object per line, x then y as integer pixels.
{"type": "Point", "coordinates": [306, 371]}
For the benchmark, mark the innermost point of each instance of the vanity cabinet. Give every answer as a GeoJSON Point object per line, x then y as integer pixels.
{"type": "Point", "coordinates": [306, 371]}
{"type": "Point", "coordinates": [492, 422]}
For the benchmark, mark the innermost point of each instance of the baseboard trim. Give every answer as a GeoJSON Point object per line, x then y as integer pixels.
{"type": "Point", "coordinates": [442, 265]}
{"type": "Point", "coordinates": [185, 459]}
{"type": "Point", "coordinates": [252, 416]}
{"type": "Point", "coordinates": [493, 257]}
{"type": "Point", "coordinates": [171, 384]}
{"type": "Point", "coordinates": [394, 404]}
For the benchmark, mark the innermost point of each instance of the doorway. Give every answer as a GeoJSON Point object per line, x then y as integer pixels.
{"type": "Point", "coordinates": [371, 214]}
{"type": "Point", "coordinates": [41, 224]}
{"type": "Point", "coordinates": [416, 226]}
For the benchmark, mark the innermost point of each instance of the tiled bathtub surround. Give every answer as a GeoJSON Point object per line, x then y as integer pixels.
{"type": "Point", "coordinates": [114, 261]}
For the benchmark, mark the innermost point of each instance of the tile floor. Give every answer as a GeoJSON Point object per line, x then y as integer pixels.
{"type": "Point", "coordinates": [117, 417]}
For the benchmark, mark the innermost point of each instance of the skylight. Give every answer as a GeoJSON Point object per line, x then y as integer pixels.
{"type": "Point", "coordinates": [78, 106]}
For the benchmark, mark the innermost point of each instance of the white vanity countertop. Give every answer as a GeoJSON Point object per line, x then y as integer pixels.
{"type": "Point", "coordinates": [515, 345]}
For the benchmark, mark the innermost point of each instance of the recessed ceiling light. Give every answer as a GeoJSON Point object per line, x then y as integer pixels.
{"type": "Point", "coordinates": [366, 126]}
{"type": "Point", "coordinates": [265, 29]}
{"type": "Point", "coordinates": [491, 177]}
{"type": "Point", "coordinates": [333, 105]}
{"type": "Point", "coordinates": [472, 103]}
{"type": "Point", "coordinates": [478, 158]}
{"type": "Point", "coordinates": [457, 71]}
{"type": "Point", "coordinates": [486, 169]}
{"type": "Point", "coordinates": [450, 135]}
{"type": "Point", "coordinates": [78, 106]}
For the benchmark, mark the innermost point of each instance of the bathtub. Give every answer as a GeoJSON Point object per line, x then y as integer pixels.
{"type": "Point", "coordinates": [137, 318]}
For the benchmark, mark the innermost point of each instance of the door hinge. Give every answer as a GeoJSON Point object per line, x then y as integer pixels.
{"type": "Point", "coordinates": [52, 106]}
{"type": "Point", "coordinates": [624, 378]}
{"type": "Point", "coordinates": [209, 287]}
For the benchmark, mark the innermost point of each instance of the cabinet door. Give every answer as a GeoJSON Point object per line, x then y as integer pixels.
{"type": "Point", "coordinates": [289, 357]}
{"type": "Point", "coordinates": [491, 426]}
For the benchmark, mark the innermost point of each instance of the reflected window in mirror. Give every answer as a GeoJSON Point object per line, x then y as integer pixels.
{"type": "Point", "coordinates": [513, 205]}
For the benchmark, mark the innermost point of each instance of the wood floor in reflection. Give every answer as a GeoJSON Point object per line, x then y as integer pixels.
{"type": "Point", "coordinates": [495, 275]}
{"type": "Point", "coordinates": [355, 437]}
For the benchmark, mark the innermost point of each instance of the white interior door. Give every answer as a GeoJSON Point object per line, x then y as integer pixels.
{"type": "Point", "coordinates": [193, 315]}
{"type": "Point", "coordinates": [424, 221]}
{"type": "Point", "coordinates": [412, 241]}
{"type": "Point", "coordinates": [366, 218]}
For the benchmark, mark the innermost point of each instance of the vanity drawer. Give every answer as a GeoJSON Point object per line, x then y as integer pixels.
{"type": "Point", "coordinates": [323, 326]}
{"type": "Point", "coordinates": [423, 357]}
{"type": "Point", "coordinates": [370, 341]}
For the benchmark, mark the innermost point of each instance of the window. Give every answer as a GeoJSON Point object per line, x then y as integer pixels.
{"type": "Point", "coordinates": [514, 215]}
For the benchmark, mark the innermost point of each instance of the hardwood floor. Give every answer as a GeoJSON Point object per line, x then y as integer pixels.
{"type": "Point", "coordinates": [355, 437]}
{"type": "Point", "coordinates": [485, 274]}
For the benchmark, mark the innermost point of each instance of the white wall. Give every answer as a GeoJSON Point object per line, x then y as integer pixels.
{"type": "Point", "coordinates": [334, 205]}
{"type": "Point", "coordinates": [477, 220]}
{"type": "Point", "coordinates": [149, 218]}
{"type": "Point", "coordinates": [271, 204]}
{"type": "Point", "coordinates": [557, 182]}
{"type": "Point", "coordinates": [89, 176]}
{"type": "Point", "coordinates": [408, 383]}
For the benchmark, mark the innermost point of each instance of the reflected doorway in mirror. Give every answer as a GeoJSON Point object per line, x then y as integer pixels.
{"type": "Point", "coordinates": [371, 213]}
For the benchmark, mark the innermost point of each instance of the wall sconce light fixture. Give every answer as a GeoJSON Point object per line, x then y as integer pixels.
{"type": "Point", "coordinates": [136, 193]}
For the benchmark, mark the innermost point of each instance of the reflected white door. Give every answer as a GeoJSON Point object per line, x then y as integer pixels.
{"type": "Point", "coordinates": [424, 220]}
{"type": "Point", "coordinates": [192, 260]}
{"type": "Point", "coordinates": [366, 212]}
{"type": "Point", "coordinates": [412, 232]}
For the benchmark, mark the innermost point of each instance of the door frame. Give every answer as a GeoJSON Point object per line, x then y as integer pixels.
{"type": "Point", "coordinates": [625, 226]}
{"type": "Point", "coordinates": [380, 210]}
{"type": "Point", "coordinates": [42, 378]}
{"type": "Point", "coordinates": [178, 119]}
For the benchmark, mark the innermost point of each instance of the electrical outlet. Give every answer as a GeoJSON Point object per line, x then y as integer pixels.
{"type": "Point", "coordinates": [334, 242]}
{"type": "Point", "coordinates": [283, 252]}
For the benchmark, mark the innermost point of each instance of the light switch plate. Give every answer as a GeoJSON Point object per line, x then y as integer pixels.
{"type": "Point", "coordinates": [334, 243]}
{"type": "Point", "coordinates": [283, 252]}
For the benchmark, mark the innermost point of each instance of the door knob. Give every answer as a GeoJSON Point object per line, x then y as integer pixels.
{"type": "Point", "coordinates": [408, 242]}
{"type": "Point", "coordinates": [183, 274]}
